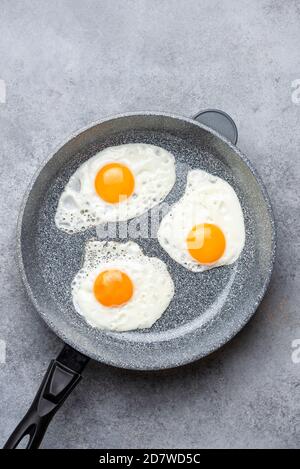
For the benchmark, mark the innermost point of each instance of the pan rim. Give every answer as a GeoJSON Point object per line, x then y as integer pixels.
{"type": "Point", "coordinates": [214, 346]}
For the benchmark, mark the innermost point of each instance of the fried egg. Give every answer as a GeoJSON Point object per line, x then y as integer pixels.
{"type": "Point", "coordinates": [205, 228]}
{"type": "Point", "coordinates": [119, 288]}
{"type": "Point", "coordinates": [117, 184]}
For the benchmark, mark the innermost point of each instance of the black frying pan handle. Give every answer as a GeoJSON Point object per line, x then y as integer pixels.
{"type": "Point", "coordinates": [62, 376]}
{"type": "Point", "coordinates": [220, 122]}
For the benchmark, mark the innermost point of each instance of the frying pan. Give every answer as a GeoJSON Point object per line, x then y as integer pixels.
{"type": "Point", "coordinates": [208, 308]}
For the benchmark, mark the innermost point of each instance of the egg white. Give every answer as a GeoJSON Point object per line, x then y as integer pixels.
{"type": "Point", "coordinates": [80, 207]}
{"type": "Point", "coordinates": [207, 199]}
{"type": "Point", "coordinates": [153, 288]}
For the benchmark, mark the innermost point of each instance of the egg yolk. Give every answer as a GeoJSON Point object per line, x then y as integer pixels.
{"type": "Point", "coordinates": [113, 288]}
{"type": "Point", "coordinates": [206, 243]}
{"type": "Point", "coordinates": [114, 182]}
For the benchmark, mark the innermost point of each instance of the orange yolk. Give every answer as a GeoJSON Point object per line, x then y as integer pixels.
{"type": "Point", "coordinates": [113, 288]}
{"type": "Point", "coordinates": [114, 182]}
{"type": "Point", "coordinates": [206, 243]}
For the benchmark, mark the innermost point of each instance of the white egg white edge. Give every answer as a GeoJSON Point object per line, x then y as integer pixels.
{"type": "Point", "coordinates": [167, 228]}
{"type": "Point", "coordinates": [137, 313]}
{"type": "Point", "coordinates": [88, 209]}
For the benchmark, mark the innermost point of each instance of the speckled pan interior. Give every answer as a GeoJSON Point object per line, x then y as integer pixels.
{"type": "Point", "coordinates": [208, 308]}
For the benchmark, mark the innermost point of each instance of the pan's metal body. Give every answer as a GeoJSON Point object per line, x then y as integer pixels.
{"type": "Point", "coordinates": [208, 308]}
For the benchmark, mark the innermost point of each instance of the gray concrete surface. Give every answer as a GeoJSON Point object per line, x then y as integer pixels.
{"type": "Point", "coordinates": [67, 63]}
